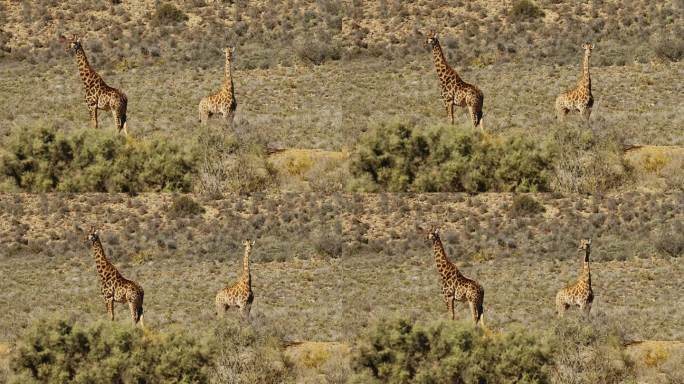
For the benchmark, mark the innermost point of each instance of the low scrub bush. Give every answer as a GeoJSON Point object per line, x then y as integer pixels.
{"type": "Point", "coordinates": [400, 157]}
{"type": "Point", "coordinates": [526, 205]}
{"type": "Point", "coordinates": [230, 166]}
{"type": "Point", "coordinates": [402, 351]}
{"type": "Point", "coordinates": [249, 354]}
{"type": "Point", "coordinates": [589, 352]}
{"type": "Point", "coordinates": [588, 162]}
{"type": "Point", "coordinates": [670, 242]}
{"type": "Point", "coordinates": [167, 13]}
{"type": "Point", "coordinates": [60, 351]}
{"type": "Point", "coordinates": [523, 10]}
{"type": "Point", "coordinates": [184, 206]}
{"type": "Point", "coordinates": [46, 160]}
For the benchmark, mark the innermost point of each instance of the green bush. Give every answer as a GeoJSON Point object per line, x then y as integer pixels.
{"type": "Point", "coordinates": [400, 157]}
{"type": "Point", "coordinates": [524, 10]}
{"type": "Point", "coordinates": [400, 351]}
{"type": "Point", "coordinates": [59, 351]}
{"type": "Point", "coordinates": [45, 160]}
{"type": "Point", "coordinates": [184, 206]}
{"type": "Point", "coordinates": [526, 205]}
{"type": "Point", "coordinates": [167, 13]}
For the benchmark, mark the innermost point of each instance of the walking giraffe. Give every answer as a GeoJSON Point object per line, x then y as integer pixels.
{"type": "Point", "coordinates": [578, 99]}
{"type": "Point", "coordinates": [239, 294]}
{"type": "Point", "coordinates": [113, 286]}
{"type": "Point", "coordinates": [579, 293]}
{"type": "Point", "coordinates": [455, 286]}
{"type": "Point", "coordinates": [455, 91]}
{"type": "Point", "coordinates": [98, 95]}
{"type": "Point", "coordinates": [223, 101]}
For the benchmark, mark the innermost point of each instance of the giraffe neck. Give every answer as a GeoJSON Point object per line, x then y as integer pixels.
{"type": "Point", "coordinates": [85, 70]}
{"type": "Point", "coordinates": [585, 79]}
{"type": "Point", "coordinates": [444, 71]}
{"type": "Point", "coordinates": [246, 274]}
{"type": "Point", "coordinates": [444, 266]}
{"type": "Point", "coordinates": [585, 276]}
{"type": "Point", "coordinates": [228, 76]}
{"type": "Point", "coordinates": [103, 265]}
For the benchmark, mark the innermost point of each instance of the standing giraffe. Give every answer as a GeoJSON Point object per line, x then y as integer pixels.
{"type": "Point", "coordinates": [239, 294]}
{"type": "Point", "coordinates": [223, 101]}
{"type": "Point", "coordinates": [455, 286]}
{"type": "Point", "coordinates": [113, 286]}
{"type": "Point", "coordinates": [98, 95]}
{"type": "Point", "coordinates": [578, 99]}
{"type": "Point", "coordinates": [455, 91]}
{"type": "Point", "coordinates": [578, 293]}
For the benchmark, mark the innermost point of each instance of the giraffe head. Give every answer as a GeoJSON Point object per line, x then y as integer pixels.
{"type": "Point", "coordinates": [587, 48]}
{"type": "Point", "coordinates": [431, 40]}
{"type": "Point", "coordinates": [585, 245]}
{"type": "Point", "coordinates": [93, 235]}
{"type": "Point", "coordinates": [248, 244]}
{"type": "Point", "coordinates": [72, 44]}
{"type": "Point", "coordinates": [433, 234]}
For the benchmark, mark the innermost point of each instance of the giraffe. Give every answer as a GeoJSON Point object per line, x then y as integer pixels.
{"type": "Point", "coordinates": [455, 91]}
{"type": "Point", "coordinates": [579, 293]}
{"type": "Point", "coordinates": [578, 99]}
{"type": "Point", "coordinates": [239, 294]}
{"type": "Point", "coordinates": [98, 95]}
{"type": "Point", "coordinates": [223, 101]}
{"type": "Point", "coordinates": [455, 286]}
{"type": "Point", "coordinates": [113, 286]}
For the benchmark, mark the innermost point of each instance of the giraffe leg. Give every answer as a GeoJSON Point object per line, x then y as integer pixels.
{"type": "Point", "coordinates": [473, 311]}
{"type": "Point", "coordinates": [134, 312]}
{"type": "Point", "coordinates": [93, 116]}
{"type": "Point", "coordinates": [450, 307]}
{"type": "Point", "coordinates": [117, 120]}
{"type": "Point", "coordinates": [473, 116]}
{"type": "Point", "coordinates": [110, 308]}
{"type": "Point", "coordinates": [450, 109]}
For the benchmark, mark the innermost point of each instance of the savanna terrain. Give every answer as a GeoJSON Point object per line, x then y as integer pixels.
{"type": "Point", "coordinates": [338, 147]}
